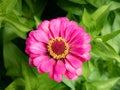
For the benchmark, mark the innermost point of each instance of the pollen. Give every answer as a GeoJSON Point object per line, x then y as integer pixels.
{"type": "Point", "coordinates": [58, 48]}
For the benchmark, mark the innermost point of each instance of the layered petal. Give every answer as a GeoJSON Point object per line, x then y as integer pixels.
{"type": "Point", "coordinates": [39, 60]}
{"type": "Point", "coordinates": [75, 62]}
{"type": "Point", "coordinates": [80, 50]}
{"type": "Point", "coordinates": [58, 77]}
{"type": "Point", "coordinates": [38, 48]}
{"type": "Point", "coordinates": [41, 36]}
{"type": "Point", "coordinates": [55, 27]}
{"type": "Point", "coordinates": [71, 75]}
{"type": "Point", "coordinates": [60, 67]}
{"type": "Point", "coordinates": [44, 26]}
{"type": "Point", "coordinates": [48, 65]}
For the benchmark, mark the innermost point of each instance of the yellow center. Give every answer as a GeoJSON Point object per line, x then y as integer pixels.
{"type": "Point", "coordinates": [58, 48]}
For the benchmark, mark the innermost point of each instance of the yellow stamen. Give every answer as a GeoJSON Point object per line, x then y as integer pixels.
{"type": "Point", "coordinates": [52, 53]}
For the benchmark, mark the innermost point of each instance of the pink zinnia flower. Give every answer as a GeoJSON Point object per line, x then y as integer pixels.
{"type": "Point", "coordinates": [58, 46]}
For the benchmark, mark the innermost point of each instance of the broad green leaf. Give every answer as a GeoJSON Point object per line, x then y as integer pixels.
{"type": "Point", "coordinates": [86, 18]}
{"type": "Point", "coordinates": [16, 23]}
{"type": "Point", "coordinates": [114, 5]}
{"type": "Point", "coordinates": [11, 33]}
{"type": "Point", "coordinates": [13, 58]}
{"type": "Point", "coordinates": [17, 84]}
{"type": "Point", "coordinates": [110, 36]}
{"type": "Point", "coordinates": [90, 72]}
{"type": "Point", "coordinates": [29, 76]}
{"type": "Point", "coordinates": [30, 4]}
{"type": "Point", "coordinates": [70, 7]}
{"type": "Point", "coordinates": [101, 12]}
{"type": "Point", "coordinates": [45, 83]}
{"type": "Point", "coordinates": [111, 26]}
{"type": "Point", "coordinates": [36, 6]}
{"type": "Point", "coordinates": [86, 70]}
{"type": "Point", "coordinates": [7, 6]}
{"type": "Point", "coordinates": [102, 85]}
{"type": "Point", "coordinates": [37, 21]}
{"type": "Point", "coordinates": [99, 16]}
{"type": "Point", "coordinates": [18, 8]}
{"type": "Point", "coordinates": [69, 83]}
{"type": "Point", "coordinates": [116, 25]}
{"type": "Point", "coordinates": [79, 1]}
{"type": "Point", "coordinates": [94, 72]}
{"type": "Point", "coordinates": [98, 3]}
{"type": "Point", "coordinates": [104, 50]}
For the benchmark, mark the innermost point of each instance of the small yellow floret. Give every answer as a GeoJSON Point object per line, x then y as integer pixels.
{"type": "Point", "coordinates": [54, 55]}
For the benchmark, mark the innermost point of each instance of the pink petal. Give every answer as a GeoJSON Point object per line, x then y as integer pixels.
{"type": "Point", "coordinates": [85, 57]}
{"type": "Point", "coordinates": [37, 48]}
{"type": "Point", "coordinates": [68, 32]}
{"type": "Point", "coordinates": [69, 67]}
{"type": "Point", "coordinates": [44, 26]}
{"type": "Point", "coordinates": [51, 73]}
{"type": "Point", "coordinates": [70, 75]}
{"type": "Point", "coordinates": [75, 77]}
{"type": "Point", "coordinates": [41, 36]}
{"type": "Point", "coordinates": [73, 23]}
{"type": "Point", "coordinates": [30, 40]}
{"type": "Point", "coordinates": [39, 70]}
{"type": "Point", "coordinates": [30, 62]}
{"type": "Point", "coordinates": [77, 51]}
{"type": "Point", "coordinates": [57, 77]}
{"type": "Point", "coordinates": [32, 55]}
{"type": "Point", "coordinates": [60, 67]}
{"type": "Point", "coordinates": [75, 62]}
{"type": "Point", "coordinates": [77, 37]}
{"type": "Point", "coordinates": [79, 71]}
{"type": "Point", "coordinates": [63, 25]}
{"type": "Point", "coordinates": [48, 65]}
{"type": "Point", "coordinates": [87, 38]}
{"type": "Point", "coordinates": [40, 59]}
{"type": "Point", "coordinates": [80, 50]}
{"type": "Point", "coordinates": [27, 50]}
{"type": "Point", "coordinates": [55, 27]}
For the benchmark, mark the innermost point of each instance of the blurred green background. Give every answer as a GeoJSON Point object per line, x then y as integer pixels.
{"type": "Point", "coordinates": [100, 18]}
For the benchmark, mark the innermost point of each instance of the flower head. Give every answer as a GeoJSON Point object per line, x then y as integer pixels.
{"type": "Point", "coordinates": [58, 46]}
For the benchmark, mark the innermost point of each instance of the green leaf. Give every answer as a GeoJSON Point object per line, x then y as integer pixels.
{"type": "Point", "coordinates": [13, 58]}
{"type": "Point", "coordinates": [16, 23]}
{"type": "Point", "coordinates": [36, 6]}
{"type": "Point", "coordinates": [116, 22]}
{"type": "Point", "coordinates": [99, 16]}
{"type": "Point", "coordinates": [109, 36]}
{"type": "Point", "coordinates": [104, 50]}
{"type": "Point", "coordinates": [69, 83]}
{"type": "Point", "coordinates": [70, 7]}
{"type": "Point", "coordinates": [86, 18]}
{"type": "Point", "coordinates": [101, 12]}
{"type": "Point", "coordinates": [102, 85]}
{"type": "Point", "coordinates": [86, 70]}
{"type": "Point", "coordinates": [98, 3]}
{"type": "Point", "coordinates": [11, 33]}
{"type": "Point", "coordinates": [79, 1]}
{"type": "Point", "coordinates": [17, 84]}
{"type": "Point", "coordinates": [114, 5]}
{"type": "Point", "coordinates": [90, 72]}
{"type": "Point", "coordinates": [7, 6]}
{"type": "Point", "coordinates": [37, 21]}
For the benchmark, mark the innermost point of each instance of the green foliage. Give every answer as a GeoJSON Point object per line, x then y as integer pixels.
{"type": "Point", "coordinates": [100, 18]}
